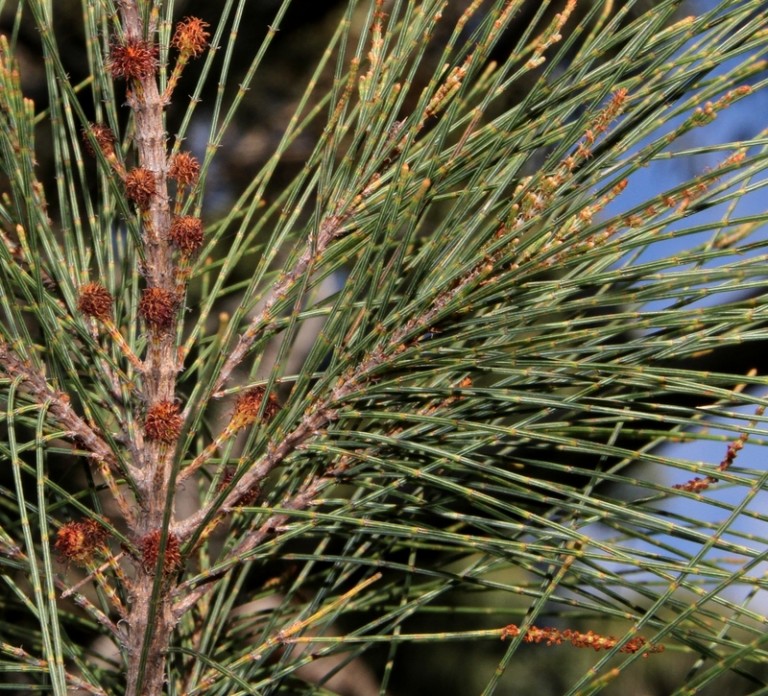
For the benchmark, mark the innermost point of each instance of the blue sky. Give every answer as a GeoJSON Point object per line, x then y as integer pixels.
{"type": "Point", "coordinates": [742, 121]}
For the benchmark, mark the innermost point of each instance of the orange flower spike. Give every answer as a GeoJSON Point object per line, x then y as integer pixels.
{"type": "Point", "coordinates": [590, 639]}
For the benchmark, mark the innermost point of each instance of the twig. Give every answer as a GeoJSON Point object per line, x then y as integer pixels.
{"type": "Point", "coordinates": [37, 386]}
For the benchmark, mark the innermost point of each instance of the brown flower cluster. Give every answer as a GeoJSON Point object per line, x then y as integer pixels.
{"type": "Point", "coordinates": [77, 541]}
{"type": "Point", "coordinates": [158, 307]}
{"type": "Point", "coordinates": [163, 422]}
{"type": "Point", "coordinates": [95, 301]}
{"type": "Point", "coordinates": [190, 37]}
{"type": "Point", "coordinates": [249, 404]}
{"type": "Point", "coordinates": [140, 187]}
{"type": "Point", "coordinates": [133, 59]}
{"type": "Point", "coordinates": [104, 136]}
{"type": "Point", "coordinates": [186, 233]}
{"type": "Point", "coordinates": [184, 168]}
{"type": "Point", "coordinates": [590, 639]}
{"type": "Point", "coordinates": [149, 547]}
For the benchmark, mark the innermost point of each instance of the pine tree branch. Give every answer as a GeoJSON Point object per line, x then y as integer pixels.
{"type": "Point", "coordinates": [37, 386]}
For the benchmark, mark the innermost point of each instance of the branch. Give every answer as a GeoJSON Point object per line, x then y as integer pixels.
{"type": "Point", "coordinates": [331, 228]}
{"type": "Point", "coordinates": [36, 385]}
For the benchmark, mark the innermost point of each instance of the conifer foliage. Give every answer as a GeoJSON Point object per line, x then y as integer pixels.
{"type": "Point", "coordinates": [467, 383]}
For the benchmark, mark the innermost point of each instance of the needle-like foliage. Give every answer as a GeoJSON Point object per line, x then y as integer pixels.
{"type": "Point", "coordinates": [478, 383]}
